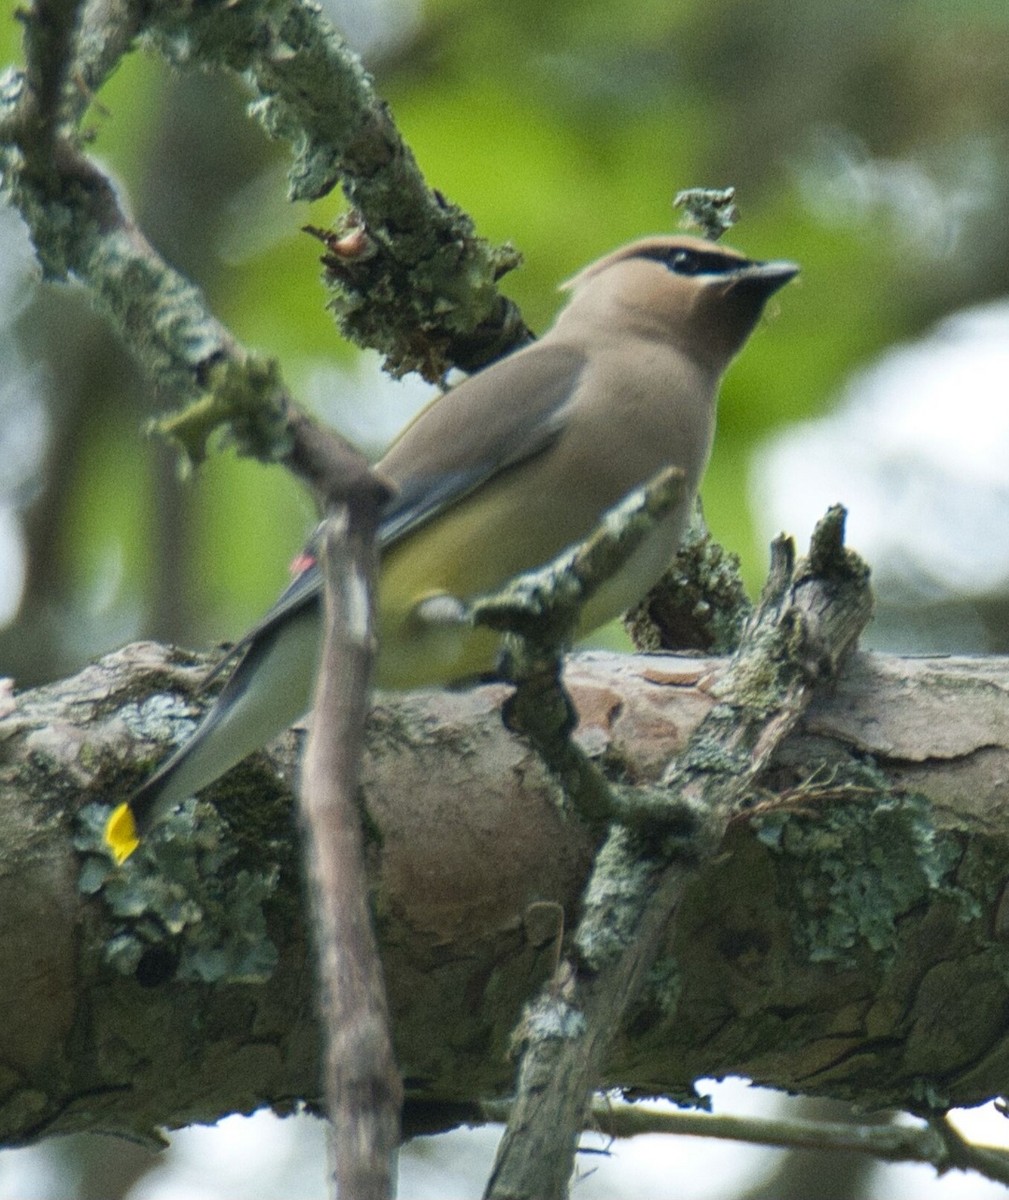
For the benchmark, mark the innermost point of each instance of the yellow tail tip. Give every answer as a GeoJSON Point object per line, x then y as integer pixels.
{"type": "Point", "coordinates": [121, 835]}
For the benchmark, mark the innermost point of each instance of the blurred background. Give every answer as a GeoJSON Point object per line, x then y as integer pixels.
{"type": "Point", "coordinates": [869, 141]}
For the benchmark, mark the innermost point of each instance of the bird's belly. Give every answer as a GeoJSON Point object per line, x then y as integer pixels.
{"type": "Point", "coordinates": [414, 652]}
{"type": "Point", "coordinates": [639, 574]}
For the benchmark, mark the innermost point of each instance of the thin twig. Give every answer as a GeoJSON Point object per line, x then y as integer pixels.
{"type": "Point", "coordinates": [50, 26]}
{"type": "Point", "coordinates": [938, 1145]}
{"type": "Point", "coordinates": [986, 1160]}
{"type": "Point", "coordinates": [363, 1087]}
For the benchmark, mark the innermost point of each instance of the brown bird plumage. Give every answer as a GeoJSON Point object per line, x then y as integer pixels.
{"type": "Point", "coordinates": [504, 472]}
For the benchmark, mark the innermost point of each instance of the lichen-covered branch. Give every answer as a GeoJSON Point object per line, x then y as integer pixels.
{"type": "Point", "coordinates": [809, 617]}
{"type": "Point", "coordinates": [424, 293]}
{"type": "Point", "coordinates": [419, 284]}
{"type": "Point", "coordinates": [700, 602]}
{"type": "Point", "coordinates": [849, 939]}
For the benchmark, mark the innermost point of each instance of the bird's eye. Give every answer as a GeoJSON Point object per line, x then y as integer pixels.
{"type": "Point", "coordinates": [685, 262]}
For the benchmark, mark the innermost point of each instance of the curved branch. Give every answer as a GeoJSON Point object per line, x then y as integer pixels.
{"type": "Point", "coordinates": [425, 292]}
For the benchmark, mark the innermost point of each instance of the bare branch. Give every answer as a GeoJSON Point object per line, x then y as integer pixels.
{"type": "Point", "coordinates": [363, 1087]}
{"type": "Point", "coordinates": [938, 1145]}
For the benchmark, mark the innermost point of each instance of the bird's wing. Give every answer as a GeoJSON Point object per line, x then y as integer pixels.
{"type": "Point", "coordinates": [303, 589]}
{"type": "Point", "coordinates": [496, 419]}
{"type": "Point", "coordinates": [451, 447]}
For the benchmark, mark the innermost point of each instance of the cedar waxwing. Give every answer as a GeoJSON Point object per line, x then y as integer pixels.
{"type": "Point", "coordinates": [497, 477]}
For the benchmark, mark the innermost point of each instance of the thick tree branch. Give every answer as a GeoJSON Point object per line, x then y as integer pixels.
{"type": "Point", "coordinates": [847, 940]}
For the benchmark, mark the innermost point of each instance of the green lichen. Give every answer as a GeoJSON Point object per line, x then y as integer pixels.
{"type": "Point", "coordinates": [866, 858]}
{"type": "Point", "coordinates": [709, 754]}
{"type": "Point", "coordinates": [555, 1021]}
{"type": "Point", "coordinates": [180, 904]}
{"type": "Point", "coordinates": [761, 680]}
{"type": "Point", "coordinates": [161, 717]}
{"type": "Point", "coordinates": [665, 983]}
{"type": "Point", "coordinates": [700, 603]}
{"type": "Point", "coordinates": [244, 403]}
{"type": "Point", "coordinates": [611, 903]}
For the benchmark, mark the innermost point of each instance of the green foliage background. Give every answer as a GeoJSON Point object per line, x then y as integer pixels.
{"type": "Point", "coordinates": [563, 127]}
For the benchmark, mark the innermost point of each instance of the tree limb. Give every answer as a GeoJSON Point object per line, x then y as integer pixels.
{"type": "Point", "coordinates": [849, 939]}
{"type": "Point", "coordinates": [364, 1092]}
{"type": "Point", "coordinates": [808, 619]}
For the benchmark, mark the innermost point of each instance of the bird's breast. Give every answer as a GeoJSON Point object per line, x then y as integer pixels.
{"type": "Point", "coordinates": [632, 417]}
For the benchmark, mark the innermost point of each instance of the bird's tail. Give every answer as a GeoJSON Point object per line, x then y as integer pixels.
{"type": "Point", "coordinates": [269, 689]}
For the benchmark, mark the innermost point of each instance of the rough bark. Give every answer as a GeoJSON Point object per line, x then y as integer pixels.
{"type": "Point", "coordinates": [809, 618]}
{"type": "Point", "coordinates": [849, 941]}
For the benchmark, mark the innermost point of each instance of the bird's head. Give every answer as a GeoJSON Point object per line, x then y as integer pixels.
{"type": "Point", "coordinates": [703, 298]}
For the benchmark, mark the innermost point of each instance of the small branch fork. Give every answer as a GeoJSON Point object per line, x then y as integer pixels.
{"type": "Point", "coordinates": [809, 617]}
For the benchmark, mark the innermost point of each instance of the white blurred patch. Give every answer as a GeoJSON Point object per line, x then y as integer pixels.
{"type": "Point", "coordinates": [926, 205]}
{"type": "Point", "coordinates": [917, 449]}
{"type": "Point", "coordinates": [258, 1158]}
{"type": "Point", "coordinates": [24, 436]}
{"type": "Point", "coordinates": [13, 565]}
{"type": "Point", "coordinates": [365, 404]}
{"type": "Point", "coordinates": [374, 27]}
{"type": "Point", "coordinates": [18, 267]}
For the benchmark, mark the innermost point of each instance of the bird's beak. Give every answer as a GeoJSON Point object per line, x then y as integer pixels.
{"type": "Point", "coordinates": [765, 277]}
